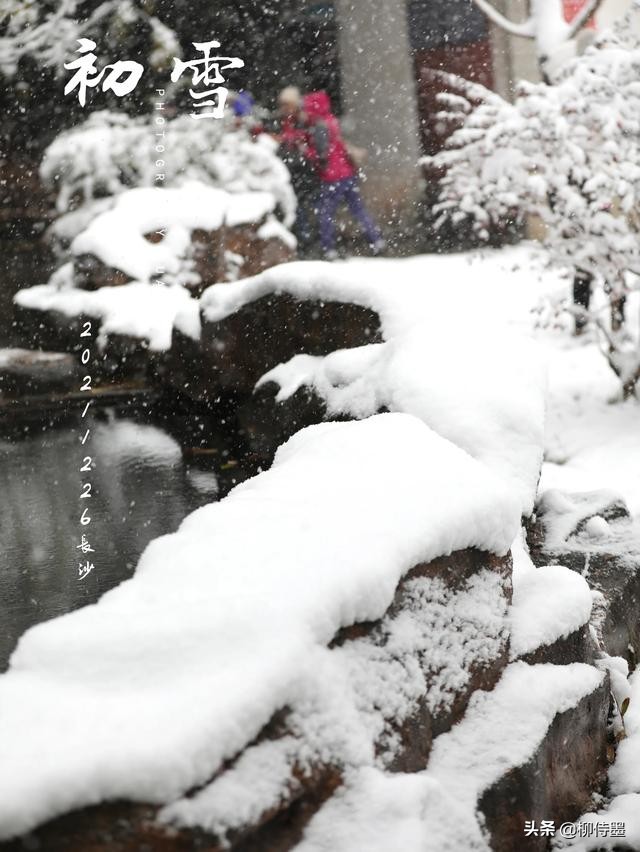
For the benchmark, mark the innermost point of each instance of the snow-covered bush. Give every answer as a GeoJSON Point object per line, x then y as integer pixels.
{"type": "Point", "coordinates": [112, 152]}
{"type": "Point", "coordinates": [45, 31]}
{"type": "Point", "coordinates": [568, 154]}
{"type": "Point", "coordinates": [214, 177]}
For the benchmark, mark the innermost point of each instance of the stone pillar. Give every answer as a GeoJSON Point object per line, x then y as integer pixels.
{"type": "Point", "coordinates": [514, 58]}
{"type": "Point", "coordinates": [380, 107]}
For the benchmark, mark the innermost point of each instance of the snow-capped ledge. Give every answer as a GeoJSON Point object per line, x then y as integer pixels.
{"type": "Point", "coordinates": [145, 694]}
{"type": "Point", "coordinates": [144, 311]}
{"type": "Point", "coordinates": [117, 237]}
{"type": "Point", "coordinates": [446, 357]}
{"type": "Point", "coordinates": [549, 603]}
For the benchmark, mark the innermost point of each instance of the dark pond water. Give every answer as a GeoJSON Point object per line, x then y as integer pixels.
{"type": "Point", "coordinates": [141, 488]}
{"type": "Point", "coordinates": [24, 262]}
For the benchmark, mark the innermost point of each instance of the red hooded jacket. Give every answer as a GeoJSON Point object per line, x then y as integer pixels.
{"type": "Point", "coordinates": [327, 146]}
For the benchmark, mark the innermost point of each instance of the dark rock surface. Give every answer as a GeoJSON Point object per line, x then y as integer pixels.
{"type": "Point", "coordinates": [609, 561]}
{"type": "Point", "coordinates": [235, 352]}
{"type": "Point", "coordinates": [265, 424]}
{"type": "Point", "coordinates": [51, 330]}
{"type": "Point", "coordinates": [208, 253]}
{"type": "Point", "coordinates": [257, 253]}
{"type": "Point", "coordinates": [89, 273]}
{"type": "Point", "coordinates": [577, 647]}
{"type": "Point", "coordinates": [557, 782]}
{"type": "Point", "coordinates": [25, 372]}
{"type": "Point", "coordinates": [123, 357]}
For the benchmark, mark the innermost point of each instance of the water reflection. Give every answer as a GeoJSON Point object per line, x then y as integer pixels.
{"type": "Point", "coordinates": [140, 489]}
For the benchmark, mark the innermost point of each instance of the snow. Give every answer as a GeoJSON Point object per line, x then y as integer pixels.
{"type": "Point", "coordinates": [204, 481]}
{"type": "Point", "coordinates": [138, 309]}
{"type": "Point", "coordinates": [592, 437]}
{"type": "Point", "coordinates": [577, 173]}
{"type": "Point", "coordinates": [624, 779]}
{"type": "Point", "coordinates": [176, 645]}
{"type": "Point", "coordinates": [564, 514]}
{"type": "Point", "coordinates": [117, 238]}
{"type": "Point", "coordinates": [490, 405]}
{"type": "Point", "coordinates": [272, 229]}
{"type": "Point", "coordinates": [358, 694]}
{"type": "Point", "coordinates": [623, 809]}
{"type": "Point", "coordinates": [112, 152]}
{"type": "Point", "coordinates": [498, 732]}
{"type": "Point", "coordinates": [124, 440]}
{"type": "Point", "coordinates": [11, 356]}
{"type": "Point", "coordinates": [549, 604]}
{"type": "Point", "coordinates": [163, 661]}
{"type": "Point", "coordinates": [624, 775]}
{"type": "Point", "coordinates": [383, 812]}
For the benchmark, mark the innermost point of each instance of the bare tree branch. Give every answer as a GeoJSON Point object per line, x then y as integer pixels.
{"type": "Point", "coordinates": [525, 30]}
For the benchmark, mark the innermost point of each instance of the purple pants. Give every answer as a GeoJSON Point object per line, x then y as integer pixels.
{"type": "Point", "coordinates": [332, 194]}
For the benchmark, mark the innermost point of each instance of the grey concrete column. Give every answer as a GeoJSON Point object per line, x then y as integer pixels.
{"type": "Point", "coordinates": [514, 58]}
{"type": "Point", "coordinates": [380, 105]}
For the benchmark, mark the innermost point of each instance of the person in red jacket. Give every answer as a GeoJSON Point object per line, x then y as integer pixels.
{"type": "Point", "coordinates": [292, 136]}
{"type": "Point", "coordinates": [337, 173]}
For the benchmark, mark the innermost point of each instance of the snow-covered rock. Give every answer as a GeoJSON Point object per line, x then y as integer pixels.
{"type": "Point", "coordinates": [501, 735]}
{"type": "Point", "coordinates": [489, 404]}
{"type": "Point", "coordinates": [616, 824]}
{"type": "Point", "coordinates": [549, 603]}
{"type": "Point", "coordinates": [29, 372]}
{"type": "Point", "coordinates": [184, 667]}
{"type": "Point", "coordinates": [562, 533]}
{"type": "Point", "coordinates": [145, 311]}
{"type": "Point", "coordinates": [117, 237]}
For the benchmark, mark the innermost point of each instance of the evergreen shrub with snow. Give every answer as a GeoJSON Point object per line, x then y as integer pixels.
{"type": "Point", "coordinates": [43, 32]}
{"type": "Point", "coordinates": [112, 152]}
{"type": "Point", "coordinates": [565, 153]}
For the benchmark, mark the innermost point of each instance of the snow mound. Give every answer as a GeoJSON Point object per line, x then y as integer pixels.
{"type": "Point", "coordinates": [488, 403]}
{"type": "Point", "coordinates": [435, 810]}
{"type": "Point", "coordinates": [622, 814]}
{"type": "Point", "coordinates": [138, 309]}
{"type": "Point", "coordinates": [124, 440]}
{"type": "Point", "coordinates": [182, 665]}
{"type": "Point", "coordinates": [565, 513]}
{"type": "Point", "coordinates": [383, 812]}
{"type": "Point", "coordinates": [549, 604]}
{"type": "Point", "coordinates": [358, 695]}
{"type": "Point", "coordinates": [117, 238]}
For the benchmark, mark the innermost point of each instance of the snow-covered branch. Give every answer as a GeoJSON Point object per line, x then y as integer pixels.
{"type": "Point", "coordinates": [89, 165]}
{"type": "Point", "coordinates": [524, 29]}
{"type": "Point", "coordinates": [546, 25]}
{"type": "Point", "coordinates": [49, 37]}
